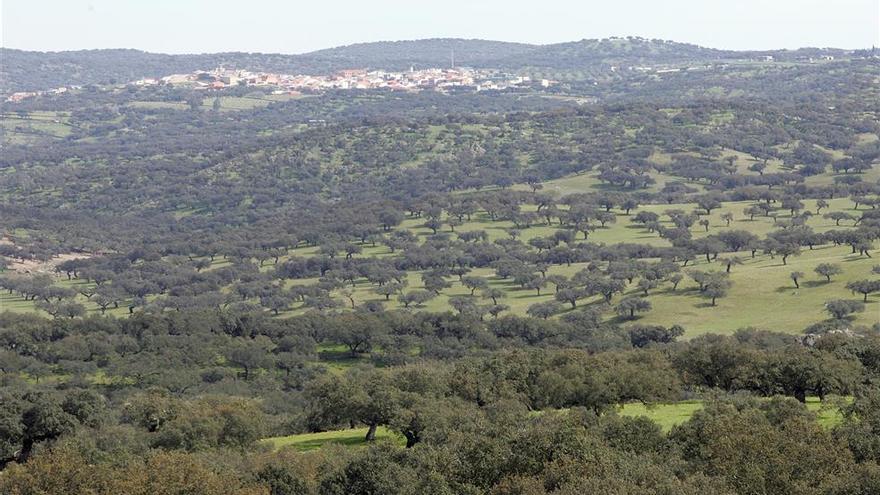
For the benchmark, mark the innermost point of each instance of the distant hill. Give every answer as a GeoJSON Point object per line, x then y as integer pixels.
{"type": "Point", "coordinates": [25, 70]}
{"type": "Point", "coordinates": [586, 54]}
{"type": "Point", "coordinates": [424, 53]}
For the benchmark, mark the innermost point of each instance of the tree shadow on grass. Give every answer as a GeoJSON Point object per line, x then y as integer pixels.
{"type": "Point", "coordinates": [689, 291]}
{"type": "Point", "coordinates": [621, 320]}
{"type": "Point", "coordinates": [774, 265]}
{"type": "Point", "coordinates": [854, 257]}
{"type": "Point", "coordinates": [814, 283]}
{"type": "Point", "coordinates": [788, 288]}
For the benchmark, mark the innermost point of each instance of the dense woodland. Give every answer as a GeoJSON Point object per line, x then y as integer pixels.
{"type": "Point", "coordinates": [476, 284]}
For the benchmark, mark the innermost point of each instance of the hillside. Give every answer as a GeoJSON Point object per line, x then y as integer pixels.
{"type": "Point", "coordinates": [27, 71]}
{"type": "Point", "coordinates": [658, 274]}
{"type": "Point", "coordinates": [424, 53]}
{"type": "Point", "coordinates": [585, 54]}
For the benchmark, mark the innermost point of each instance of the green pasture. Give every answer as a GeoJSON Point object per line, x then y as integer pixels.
{"type": "Point", "coordinates": [311, 441]}
{"type": "Point", "coordinates": [672, 414]}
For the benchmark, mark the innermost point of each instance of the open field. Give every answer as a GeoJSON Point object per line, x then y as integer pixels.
{"type": "Point", "coordinates": [27, 127]}
{"type": "Point", "coordinates": [227, 103]}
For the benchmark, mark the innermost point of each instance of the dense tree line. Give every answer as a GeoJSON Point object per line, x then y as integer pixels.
{"type": "Point", "coordinates": [165, 401]}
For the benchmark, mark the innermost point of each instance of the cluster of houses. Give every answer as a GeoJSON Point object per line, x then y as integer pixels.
{"type": "Point", "coordinates": [411, 80]}
{"type": "Point", "coordinates": [23, 95]}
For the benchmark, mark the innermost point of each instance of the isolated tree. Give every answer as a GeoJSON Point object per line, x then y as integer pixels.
{"type": "Point", "coordinates": [536, 283]}
{"type": "Point", "coordinates": [417, 297]}
{"type": "Point", "coordinates": [787, 250]}
{"type": "Point", "coordinates": [569, 295]}
{"type": "Point", "coordinates": [646, 284]}
{"type": "Point", "coordinates": [629, 306]}
{"type": "Point", "coordinates": [389, 289]}
{"type": "Point", "coordinates": [730, 262]}
{"type": "Point", "coordinates": [544, 310]}
{"type": "Point", "coordinates": [792, 204]}
{"type": "Point", "coordinates": [828, 270]}
{"type": "Point", "coordinates": [605, 218]}
{"type": "Point", "coordinates": [435, 282]}
{"type": "Point", "coordinates": [838, 216]}
{"type": "Point", "coordinates": [864, 247]}
{"type": "Point", "coordinates": [475, 283]}
{"type": "Point", "coordinates": [708, 246]}
{"type": "Point", "coordinates": [629, 204]}
{"type": "Point", "coordinates": [753, 211]}
{"type": "Point", "coordinates": [494, 294]}
{"type": "Point", "coordinates": [842, 308]}
{"type": "Point", "coordinates": [103, 301]}
{"type": "Point", "coordinates": [276, 301]}
{"type": "Point", "coordinates": [795, 276]}
{"type": "Point", "coordinates": [727, 217]}
{"type": "Point", "coordinates": [434, 224]}
{"type": "Point", "coordinates": [559, 281]}
{"type": "Point", "coordinates": [348, 294]}
{"type": "Point", "coordinates": [584, 228]}
{"type": "Point", "coordinates": [864, 287]}
{"type": "Point", "coordinates": [716, 286]}
{"type": "Point", "coordinates": [709, 202]}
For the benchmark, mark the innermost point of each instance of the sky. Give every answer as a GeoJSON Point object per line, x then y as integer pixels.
{"type": "Point", "coordinates": [298, 26]}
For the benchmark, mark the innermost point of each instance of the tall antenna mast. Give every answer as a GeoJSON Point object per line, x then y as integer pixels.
{"type": "Point", "coordinates": [453, 58]}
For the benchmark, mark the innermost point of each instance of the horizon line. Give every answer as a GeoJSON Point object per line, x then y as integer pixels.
{"type": "Point", "coordinates": [414, 40]}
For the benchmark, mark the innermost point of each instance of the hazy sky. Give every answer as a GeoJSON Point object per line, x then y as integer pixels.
{"type": "Point", "coordinates": [295, 26]}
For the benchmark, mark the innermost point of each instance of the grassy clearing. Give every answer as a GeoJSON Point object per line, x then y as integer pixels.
{"type": "Point", "coordinates": [353, 437]}
{"type": "Point", "coordinates": [23, 129]}
{"type": "Point", "coordinates": [235, 102]}
{"type": "Point", "coordinates": [227, 103]}
{"type": "Point", "coordinates": [666, 416]}
{"type": "Point", "coordinates": [159, 105]}
{"type": "Point", "coordinates": [764, 296]}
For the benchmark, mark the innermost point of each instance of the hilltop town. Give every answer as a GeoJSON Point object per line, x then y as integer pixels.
{"type": "Point", "coordinates": [436, 79]}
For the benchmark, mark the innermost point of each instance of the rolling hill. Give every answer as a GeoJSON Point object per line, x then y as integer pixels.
{"type": "Point", "coordinates": [27, 70]}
